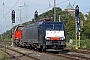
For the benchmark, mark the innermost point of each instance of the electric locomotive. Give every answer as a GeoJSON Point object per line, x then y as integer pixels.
{"type": "Point", "coordinates": [43, 35]}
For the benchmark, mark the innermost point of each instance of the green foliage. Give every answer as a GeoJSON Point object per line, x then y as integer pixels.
{"type": "Point", "coordinates": [70, 29]}
{"type": "Point", "coordinates": [87, 29]}
{"type": "Point", "coordinates": [88, 15]}
{"type": "Point", "coordinates": [6, 35]}
{"type": "Point", "coordinates": [3, 56]}
{"type": "Point", "coordinates": [85, 43]}
{"type": "Point", "coordinates": [81, 16]}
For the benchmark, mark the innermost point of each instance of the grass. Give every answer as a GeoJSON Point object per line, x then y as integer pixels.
{"type": "Point", "coordinates": [3, 56]}
{"type": "Point", "coordinates": [83, 44]}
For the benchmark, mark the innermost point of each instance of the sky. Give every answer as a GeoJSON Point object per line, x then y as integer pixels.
{"type": "Point", "coordinates": [30, 6]}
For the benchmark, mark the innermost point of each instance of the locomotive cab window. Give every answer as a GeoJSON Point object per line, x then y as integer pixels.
{"type": "Point", "coordinates": [49, 26]}
{"type": "Point", "coordinates": [54, 27]}
{"type": "Point", "coordinates": [58, 27]}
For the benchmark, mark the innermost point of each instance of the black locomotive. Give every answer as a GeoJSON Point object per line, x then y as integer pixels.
{"type": "Point", "coordinates": [43, 35]}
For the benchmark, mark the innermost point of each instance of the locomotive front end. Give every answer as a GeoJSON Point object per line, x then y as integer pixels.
{"type": "Point", "coordinates": [55, 36]}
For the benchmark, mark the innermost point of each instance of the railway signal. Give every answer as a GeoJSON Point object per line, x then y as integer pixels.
{"type": "Point", "coordinates": [77, 26]}
{"type": "Point", "coordinates": [36, 15]}
{"type": "Point", "coordinates": [77, 10]}
{"type": "Point", "coordinates": [13, 16]}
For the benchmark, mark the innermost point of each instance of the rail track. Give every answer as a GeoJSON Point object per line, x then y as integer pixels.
{"type": "Point", "coordinates": [81, 50]}
{"type": "Point", "coordinates": [18, 55]}
{"type": "Point", "coordinates": [71, 55]}
{"type": "Point", "coordinates": [68, 54]}
{"type": "Point", "coordinates": [26, 56]}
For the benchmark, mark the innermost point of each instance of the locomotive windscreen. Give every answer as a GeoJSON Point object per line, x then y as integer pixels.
{"type": "Point", "coordinates": [54, 27]}
{"type": "Point", "coordinates": [58, 27]}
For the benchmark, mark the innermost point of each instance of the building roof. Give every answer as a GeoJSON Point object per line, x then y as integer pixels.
{"type": "Point", "coordinates": [69, 6]}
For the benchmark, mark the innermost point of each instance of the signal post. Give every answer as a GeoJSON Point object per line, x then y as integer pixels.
{"type": "Point", "coordinates": [13, 21]}
{"type": "Point", "coordinates": [77, 27]}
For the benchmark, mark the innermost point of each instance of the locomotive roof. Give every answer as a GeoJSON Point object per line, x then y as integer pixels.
{"type": "Point", "coordinates": [49, 22]}
{"type": "Point", "coordinates": [39, 23]}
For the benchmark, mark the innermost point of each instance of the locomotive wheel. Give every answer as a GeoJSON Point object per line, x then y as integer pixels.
{"type": "Point", "coordinates": [35, 48]}
{"type": "Point", "coordinates": [30, 47]}
{"type": "Point", "coordinates": [44, 47]}
{"type": "Point", "coordinates": [44, 50]}
{"type": "Point", "coordinates": [18, 44]}
{"type": "Point", "coordinates": [40, 49]}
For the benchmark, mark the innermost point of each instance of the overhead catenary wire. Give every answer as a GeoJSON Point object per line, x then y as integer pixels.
{"type": "Point", "coordinates": [62, 2]}
{"type": "Point", "coordinates": [10, 9]}
{"type": "Point", "coordinates": [7, 7]}
{"type": "Point", "coordinates": [45, 9]}
{"type": "Point", "coordinates": [56, 5]}
{"type": "Point", "coordinates": [1, 8]}
{"type": "Point", "coordinates": [40, 9]}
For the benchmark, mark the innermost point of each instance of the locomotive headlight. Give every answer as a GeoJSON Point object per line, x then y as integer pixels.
{"type": "Point", "coordinates": [47, 38]}
{"type": "Point", "coordinates": [62, 38]}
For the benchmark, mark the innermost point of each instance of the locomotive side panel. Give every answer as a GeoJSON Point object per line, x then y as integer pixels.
{"type": "Point", "coordinates": [40, 35]}
{"type": "Point", "coordinates": [35, 34]}
{"type": "Point", "coordinates": [26, 34]}
{"type": "Point", "coordinates": [30, 35]}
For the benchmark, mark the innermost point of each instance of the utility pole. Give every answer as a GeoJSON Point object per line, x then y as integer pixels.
{"type": "Point", "coordinates": [2, 34]}
{"type": "Point", "coordinates": [20, 15]}
{"type": "Point", "coordinates": [49, 6]}
{"type": "Point", "coordinates": [54, 10]}
{"type": "Point", "coordinates": [3, 17]}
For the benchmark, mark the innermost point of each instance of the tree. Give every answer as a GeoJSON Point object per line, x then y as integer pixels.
{"type": "Point", "coordinates": [87, 16]}
{"type": "Point", "coordinates": [86, 27]}
{"type": "Point", "coordinates": [70, 29]}
{"type": "Point", "coordinates": [81, 16]}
